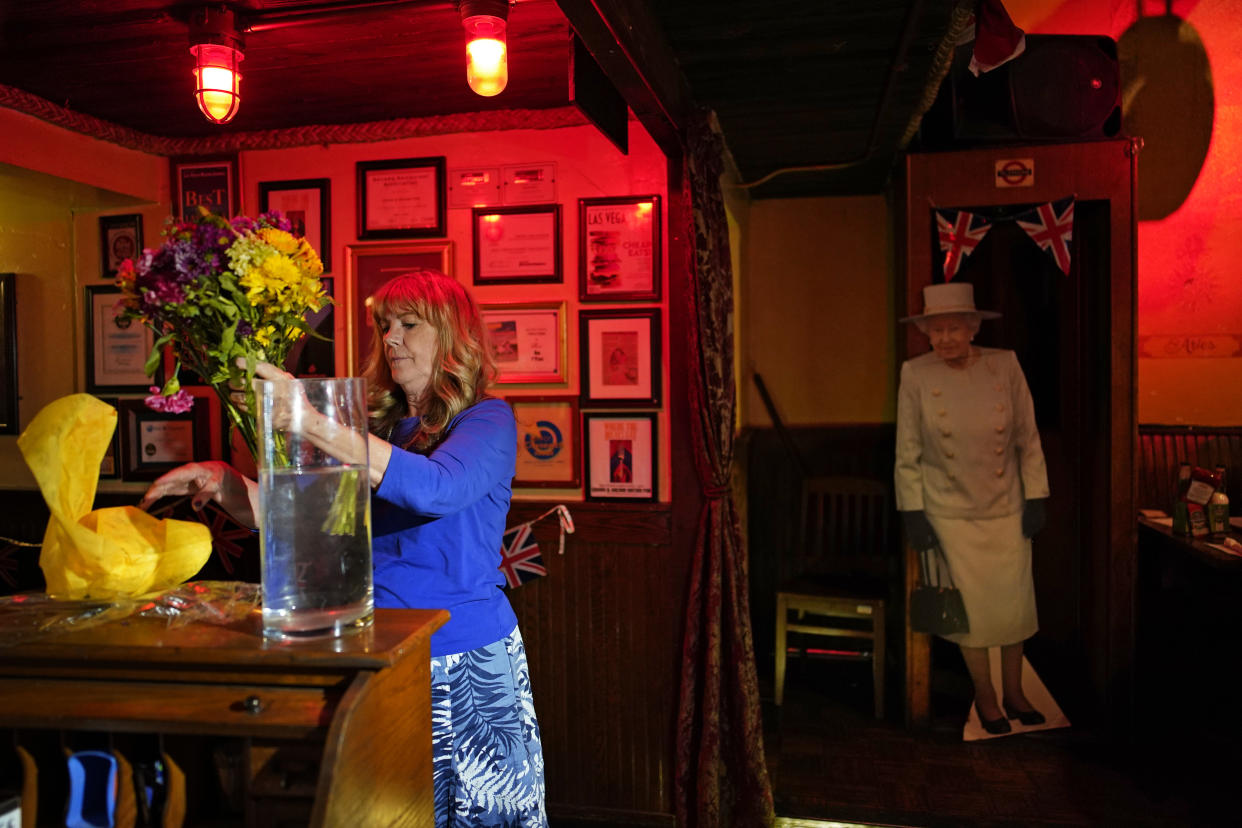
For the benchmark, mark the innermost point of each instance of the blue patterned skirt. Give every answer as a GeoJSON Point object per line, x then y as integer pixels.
{"type": "Point", "coordinates": [487, 760]}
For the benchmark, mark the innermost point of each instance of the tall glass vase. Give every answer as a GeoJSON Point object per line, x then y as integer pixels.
{"type": "Point", "coordinates": [314, 506]}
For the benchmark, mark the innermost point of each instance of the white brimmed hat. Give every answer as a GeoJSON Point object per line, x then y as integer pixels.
{"type": "Point", "coordinates": [951, 297]}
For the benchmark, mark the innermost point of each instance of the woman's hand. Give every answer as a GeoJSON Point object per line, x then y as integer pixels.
{"type": "Point", "coordinates": [207, 481]}
{"type": "Point", "coordinates": [919, 531]}
{"type": "Point", "coordinates": [289, 409]}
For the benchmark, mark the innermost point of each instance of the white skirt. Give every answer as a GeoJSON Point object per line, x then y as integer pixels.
{"type": "Point", "coordinates": [990, 563]}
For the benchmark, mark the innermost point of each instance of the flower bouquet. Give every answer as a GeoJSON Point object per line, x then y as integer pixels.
{"type": "Point", "coordinates": [218, 292]}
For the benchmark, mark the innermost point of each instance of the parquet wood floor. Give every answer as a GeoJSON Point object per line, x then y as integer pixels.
{"type": "Point", "coordinates": [829, 759]}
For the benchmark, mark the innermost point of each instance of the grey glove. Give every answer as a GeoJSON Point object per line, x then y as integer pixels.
{"type": "Point", "coordinates": [1034, 516]}
{"type": "Point", "coordinates": [919, 531]}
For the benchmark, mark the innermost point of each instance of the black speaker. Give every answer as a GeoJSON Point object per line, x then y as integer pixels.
{"type": "Point", "coordinates": [1061, 88]}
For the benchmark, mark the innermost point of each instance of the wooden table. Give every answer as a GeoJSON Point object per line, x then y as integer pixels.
{"type": "Point", "coordinates": [325, 733]}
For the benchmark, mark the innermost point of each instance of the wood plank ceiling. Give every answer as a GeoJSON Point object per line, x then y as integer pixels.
{"type": "Point", "coordinates": [795, 82]}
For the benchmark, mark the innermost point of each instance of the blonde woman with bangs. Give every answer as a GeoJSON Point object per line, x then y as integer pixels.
{"type": "Point", "coordinates": [442, 457]}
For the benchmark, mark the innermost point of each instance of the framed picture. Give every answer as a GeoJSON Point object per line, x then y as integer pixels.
{"type": "Point", "coordinates": [529, 183]}
{"type": "Point", "coordinates": [8, 354]}
{"type": "Point", "coordinates": [517, 245]}
{"type": "Point", "coordinates": [208, 182]}
{"type": "Point", "coordinates": [116, 350]}
{"type": "Point", "coordinates": [619, 248]}
{"type": "Point", "coordinates": [110, 466]}
{"type": "Point", "coordinates": [620, 452]}
{"type": "Point", "coordinates": [527, 340]}
{"type": "Point", "coordinates": [311, 356]}
{"type": "Point", "coordinates": [153, 442]}
{"type": "Point", "coordinates": [367, 267]}
{"type": "Point", "coordinates": [307, 203]}
{"type": "Point", "coordinates": [402, 198]}
{"type": "Point", "coordinates": [120, 238]}
{"type": "Point", "coordinates": [548, 442]}
{"type": "Point", "coordinates": [620, 354]}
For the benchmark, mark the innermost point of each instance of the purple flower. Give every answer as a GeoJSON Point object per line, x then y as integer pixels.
{"type": "Point", "coordinates": [178, 403]}
{"type": "Point", "coordinates": [243, 328]}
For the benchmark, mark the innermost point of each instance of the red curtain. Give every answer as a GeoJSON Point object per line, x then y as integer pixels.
{"type": "Point", "coordinates": [721, 774]}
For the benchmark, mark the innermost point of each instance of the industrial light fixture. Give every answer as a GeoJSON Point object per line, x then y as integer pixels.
{"type": "Point", "coordinates": [216, 45]}
{"type": "Point", "coordinates": [487, 51]}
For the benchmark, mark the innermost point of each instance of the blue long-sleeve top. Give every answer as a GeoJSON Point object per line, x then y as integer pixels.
{"type": "Point", "coordinates": [437, 522]}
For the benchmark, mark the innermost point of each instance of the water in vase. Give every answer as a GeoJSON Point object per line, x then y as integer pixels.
{"type": "Point", "coordinates": [316, 550]}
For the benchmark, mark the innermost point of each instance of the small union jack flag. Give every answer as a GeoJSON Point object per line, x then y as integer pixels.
{"type": "Point", "coordinates": [520, 560]}
{"type": "Point", "coordinates": [1051, 226]}
{"type": "Point", "coordinates": [960, 233]}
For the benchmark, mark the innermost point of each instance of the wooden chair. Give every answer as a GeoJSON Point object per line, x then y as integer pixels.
{"type": "Point", "coordinates": [838, 577]}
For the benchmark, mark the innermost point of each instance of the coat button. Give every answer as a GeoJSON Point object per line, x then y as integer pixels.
{"type": "Point", "coordinates": [1000, 387]}
{"type": "Point", "coordinates": [1000, 472]}
{"type": "Point", "coordinates": [1000, 429]}
{"type": "Point", "coordinates": [942, 412]}
{"type": "Point", "coordinates": [1000, 406]}
{"type": "Point", "coordinates": [949, 454]}
{"type": "Point", "coordinates": [935, 392]}
{"type": "Point", "coordinates": [944, 432]}
{"type": "Point", "coordinates": [950, 475]}
{"type": "Point", "coordinates": [999, 450]}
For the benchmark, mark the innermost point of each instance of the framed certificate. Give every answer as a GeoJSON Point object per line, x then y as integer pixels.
{"type": "Point", "coordinates": [517, 245]}
{"type": "Point", "coordinates": [207, 182]}
{"type": "Point", "coordinates": [619, 248]}
{"type": "Point", "coordinates": [527, 341]}
{"type": "Point", "coordinates": [116, 350]}
{"type": "Point", "coordinates": [110, 466]}
{"type": "Point", "coordinates": [367, 267]}
{"type": "Point", "coordinates": [153, 442]}
{"type": "Point", "coordinates": [307, 203]}
{"type": "Point", "coordinates": [620, 452]}
{"type": "Point", "coordinates": [549, 447]}
{"type": "Point", "coordinates": [402, 198]}
{"type": "Point", "coordinates": [120, 238]}
{"type": "Point", "coordinates": [620, 354]}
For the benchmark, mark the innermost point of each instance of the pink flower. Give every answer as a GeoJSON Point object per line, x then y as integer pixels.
{"type": "Point", "coordinates": [178, 403]}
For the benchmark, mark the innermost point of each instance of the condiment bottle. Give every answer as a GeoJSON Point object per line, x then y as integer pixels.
{"type": "Point", "coordinates": [1218, 508]}
{"type": "Point", "coordinates": [1181, 524]}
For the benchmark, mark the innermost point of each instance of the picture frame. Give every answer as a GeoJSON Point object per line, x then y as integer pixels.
{"type": "Point", "coordinates": [474, 187]}
{"type": "Point", "coordinates": [116, 350]}
{"type": "Point", "coordinates": [311, 357]}
{"type": "Point", "coordinates": [619, 350]}
{"type": "Point", "coordinates": [529, 183]}
{"type": "Point", "coordinates": [620, 455]}
{"type": "Point", "coordinates": [549, 443]}
{"type": "Point", "coordinates": [153, 442]}
{"type": "Point", "coordinates": [307, 203]}
{"type": "Point", "coordinates": [367, 267]}
{"type": "Point", "coordinates": [204, 181]}
{"type": "Point", "coordinates": [120, 238]}
{"type": "Point", "coordinates": [528, 341]}
{"type": "Point", "coordinates": [516, 245]}
{"type": "Point", "coordinates": [402, 198]}
{"type": "Point", "coordinates": [619, 249]}
{"type": "Point", "coordinates": [110, 466]}
{"type": "Point", "coordinates": [8, 354]}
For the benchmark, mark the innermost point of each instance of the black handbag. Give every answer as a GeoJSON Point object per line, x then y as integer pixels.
{"type": "Point", "coordinates": [937, 608]}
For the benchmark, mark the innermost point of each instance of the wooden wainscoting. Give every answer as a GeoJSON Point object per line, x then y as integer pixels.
{"type": "Point", "coordinates": [603, 636]}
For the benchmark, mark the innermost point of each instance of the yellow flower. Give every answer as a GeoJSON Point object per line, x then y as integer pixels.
{"type": "Point", "coordinates": [284, 242]}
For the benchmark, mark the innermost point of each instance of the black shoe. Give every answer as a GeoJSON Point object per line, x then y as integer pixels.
{"type": "Point", "coordinates": [996, 727]}
{"type": "Point", "coordinates": [1030, 718]}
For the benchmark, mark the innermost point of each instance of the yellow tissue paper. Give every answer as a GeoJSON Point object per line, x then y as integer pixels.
{"type": "Point", "coordinates": [118, 552]}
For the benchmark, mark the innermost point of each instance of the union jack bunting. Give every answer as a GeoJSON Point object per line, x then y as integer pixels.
{"type": "Point", "coordinates": [520, 560]}
{"type": "Point", "coordinates": [960, 233]}
{"type": "Point", "coordinates": [1051, 226]}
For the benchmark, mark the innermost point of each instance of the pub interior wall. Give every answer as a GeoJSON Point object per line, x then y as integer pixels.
{"type": "Point", "coordinates": [49, 236]}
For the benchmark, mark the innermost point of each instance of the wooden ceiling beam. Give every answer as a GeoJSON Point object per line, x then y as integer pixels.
{"type": "Point", "coordinates": [630, 46]}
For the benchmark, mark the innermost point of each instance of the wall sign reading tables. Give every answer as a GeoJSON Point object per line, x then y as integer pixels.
{"type": "Point", "coordinates": [401, 198]}
{"type": "Point", "coordinates": [619, 248]}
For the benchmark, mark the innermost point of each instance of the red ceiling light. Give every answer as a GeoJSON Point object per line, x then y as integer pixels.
{"type": "Point", "coordinates": [216, 45]}
{"type": "Point", "coordinates": [487, 51]}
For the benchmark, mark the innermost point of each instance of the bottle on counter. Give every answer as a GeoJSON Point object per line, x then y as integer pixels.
{"type": "Point", "coordinates": [1218, 508]}
{"type": "Point", "coordinates": [1181, 522]}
